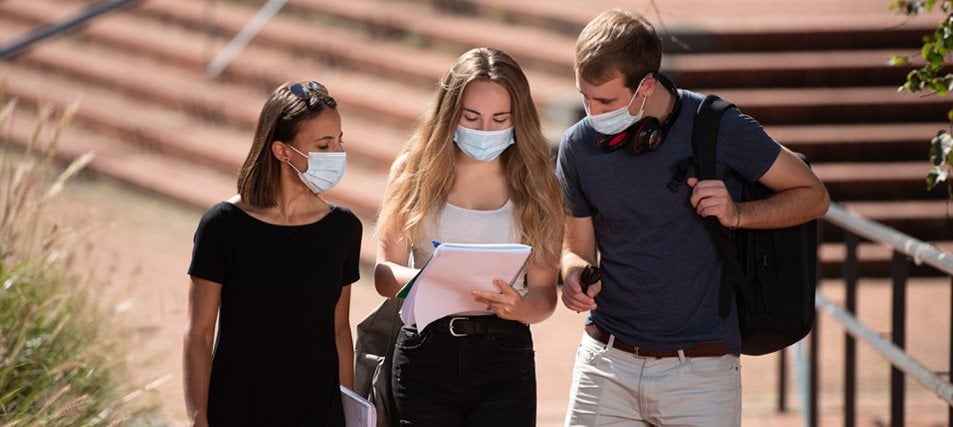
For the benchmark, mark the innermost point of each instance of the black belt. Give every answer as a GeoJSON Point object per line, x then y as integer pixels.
{"type": "Point", "coordinates": [699, 349]}
{"type": "Point", "coordinates": [462, 326]}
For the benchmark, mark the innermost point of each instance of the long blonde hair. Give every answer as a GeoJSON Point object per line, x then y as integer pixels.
{"type": "Point", "coordinates": [424, 172]}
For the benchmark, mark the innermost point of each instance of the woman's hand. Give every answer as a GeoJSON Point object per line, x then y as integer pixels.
{"type": "Point", "coordinates": [507, 304]}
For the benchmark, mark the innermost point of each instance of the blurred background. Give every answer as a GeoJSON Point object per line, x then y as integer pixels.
{"type": "Point", "coordinates": [169, 93]}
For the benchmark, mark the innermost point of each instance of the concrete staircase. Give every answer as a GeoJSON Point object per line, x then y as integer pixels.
{"type": "Point", "coordinates": [814, 73]}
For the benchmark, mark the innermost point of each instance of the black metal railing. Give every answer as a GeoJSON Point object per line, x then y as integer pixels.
{"type": "Point", "coordinates": [55, 29]}
{"type": "Point", "coordinates": [905, 250]}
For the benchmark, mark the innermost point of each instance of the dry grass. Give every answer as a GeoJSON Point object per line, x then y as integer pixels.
{"type": "Point", "coordinates": [58, 354]}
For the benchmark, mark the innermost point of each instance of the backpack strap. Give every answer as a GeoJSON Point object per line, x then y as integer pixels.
{"type": "Point", "coordinates": [704, 145]}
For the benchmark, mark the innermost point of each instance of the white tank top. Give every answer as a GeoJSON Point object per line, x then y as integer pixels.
{"type": "Point", "coordinates": [459, 225]}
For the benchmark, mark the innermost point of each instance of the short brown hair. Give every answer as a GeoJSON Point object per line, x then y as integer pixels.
{"type": "Point", "coordinates": [618, 41]}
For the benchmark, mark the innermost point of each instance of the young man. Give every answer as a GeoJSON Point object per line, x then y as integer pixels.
{"type": "Point", "coordinates": [655, 350]}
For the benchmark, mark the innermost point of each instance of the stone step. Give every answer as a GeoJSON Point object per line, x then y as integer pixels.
{"type": "Point", "coordinates": [389, 58]}
{"type": "Point", "coordinates": [927, 220]}
{"type": "Point", "coordinates": [817, 68]}
{"type": "Point", "coordinates": [771, 106]}
{"type": "Point", "coordinates": [851, 105]}
{"type": "Point", "coordinates": [725, 26]}
{"type": "Point", "coordinates": [412, 21]}
{"type": "Point", "coordinates": [167, 177]}
{"type": "Point", "coordinates": [339, 47]}
{"type": "Point", "coordinates": [875, 260]}
{"type": "Point", "coordinates": [257, 66]}
{"type": "Point", "coordinates": [220, 102]}
{"type": "Point", "coordinates": [864, 142]}
{"type": "Point", "coordinates": [877, 181]}
{"type": "Point", "coordinates": [162, 132]}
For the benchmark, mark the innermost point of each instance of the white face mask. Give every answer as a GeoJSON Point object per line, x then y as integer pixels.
{"type": "Point", "coordinates": [483, 145]}
{"type": "Point", "coordinates": [616, 121]}
{"type": "Point", "coordinates": [324, 170]}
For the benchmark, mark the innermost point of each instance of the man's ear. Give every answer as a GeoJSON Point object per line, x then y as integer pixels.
{"type": "Point", "coordinates": [648, 86]}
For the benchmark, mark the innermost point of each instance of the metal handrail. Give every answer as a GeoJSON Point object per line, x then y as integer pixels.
{"type": "Point", "coordinates": [19, 46]}
{"type": "Point", "coordinates": [919, 251]}
{"type": "Point", "coordinates": [904, 249]}
{"type": "Point", "coordinates": [247, 33]}
{"type": "Point", "coordinates": [895, 355]}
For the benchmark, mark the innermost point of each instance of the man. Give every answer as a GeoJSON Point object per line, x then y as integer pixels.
{"type": "Point", "coordinates": [655, 350]}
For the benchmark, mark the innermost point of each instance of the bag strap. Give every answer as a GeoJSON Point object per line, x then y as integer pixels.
{"type": "Point", "coordinates": [704, 145]}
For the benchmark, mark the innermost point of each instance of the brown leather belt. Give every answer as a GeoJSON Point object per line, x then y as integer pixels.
{"type": "Point", "coordinates": [699, 349]}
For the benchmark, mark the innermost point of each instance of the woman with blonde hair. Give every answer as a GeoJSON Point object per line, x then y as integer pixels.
{"type": "Point", "coordinates": [476, 170]}
{"type": "Point", "coordinates": [271, 269]}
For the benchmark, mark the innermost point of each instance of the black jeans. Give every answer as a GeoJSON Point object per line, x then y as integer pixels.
{"type": "Point", "coordinates": [484, 378]}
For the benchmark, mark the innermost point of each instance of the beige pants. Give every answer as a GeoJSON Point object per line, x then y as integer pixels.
{"type": "Point", "coordinates": [611, 387]}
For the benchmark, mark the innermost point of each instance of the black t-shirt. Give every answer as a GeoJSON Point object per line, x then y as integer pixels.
{"type": "Point", "coordinates": [275, 361]}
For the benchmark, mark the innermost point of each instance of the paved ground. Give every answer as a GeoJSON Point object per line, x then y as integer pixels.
{"type": "Point", "coordinates": [140, 248]}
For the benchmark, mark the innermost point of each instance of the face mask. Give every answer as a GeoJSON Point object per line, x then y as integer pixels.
{"type": "Point", "coordinates": [324, 170]}
{"type": "Point", "coordinates": [613, 122]}
{"type": "Point", "coordinates": [483, 145]}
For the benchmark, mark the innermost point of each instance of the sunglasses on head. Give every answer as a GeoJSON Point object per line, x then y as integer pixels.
{"type": "Point", "coordinates": [305, 91]}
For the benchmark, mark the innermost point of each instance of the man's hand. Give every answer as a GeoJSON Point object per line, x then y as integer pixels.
{"type": "Point", "coordinates": [711, 198]}
{"type": "Point", "coordinates": [573, 297]}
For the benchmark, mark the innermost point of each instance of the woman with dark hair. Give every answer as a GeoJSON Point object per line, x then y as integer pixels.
{"type": "Point", "coordinates": [476, 170]}
{"type": "Point", "coordinates": [272, 267]}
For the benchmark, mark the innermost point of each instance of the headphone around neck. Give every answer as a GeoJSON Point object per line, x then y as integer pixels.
{"type": "Point", "coordinates": [647, 134]}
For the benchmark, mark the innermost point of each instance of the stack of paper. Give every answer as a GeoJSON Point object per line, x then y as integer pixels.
{"type": "Point", "coordinates": [443, 285]}
{"type": "Point", "coordinates": [358, 411]}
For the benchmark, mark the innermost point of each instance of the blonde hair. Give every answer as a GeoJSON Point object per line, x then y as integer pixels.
{"type": "Point", "coordinates": [424, 172]}
{"type": "Point", "coordinates": [279, 120]}
{"type": "Point", "coordinates": [618, 41]}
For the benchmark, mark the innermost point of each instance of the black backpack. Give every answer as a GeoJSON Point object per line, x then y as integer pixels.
{"type": "Point", "coordinates": [771, 273]}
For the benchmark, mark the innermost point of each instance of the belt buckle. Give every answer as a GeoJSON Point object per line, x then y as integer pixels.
{"type": "Point", "coordinates": [452, 332]}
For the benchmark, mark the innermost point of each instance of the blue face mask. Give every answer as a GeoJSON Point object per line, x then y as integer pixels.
{"type": "Point", "coordinates": [324, 170]}
{"type": "Point", "coordinates": [483, 145]}
{"type": "Point", "coordinates": [616, 121]}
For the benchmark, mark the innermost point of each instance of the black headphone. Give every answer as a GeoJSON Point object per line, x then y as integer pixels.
{"type": "Point", "coordinates": [646, 134]}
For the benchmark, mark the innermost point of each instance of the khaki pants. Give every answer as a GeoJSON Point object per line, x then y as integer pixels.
{"type": "Point", "coordinates": [611, 387]}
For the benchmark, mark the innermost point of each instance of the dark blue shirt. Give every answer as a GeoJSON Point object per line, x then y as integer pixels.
{"type": "Point", "coordinates": [661, 272]}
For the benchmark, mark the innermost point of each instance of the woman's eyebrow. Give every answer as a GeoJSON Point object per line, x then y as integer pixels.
{"type": "Point", "coordinates": [478, 113]}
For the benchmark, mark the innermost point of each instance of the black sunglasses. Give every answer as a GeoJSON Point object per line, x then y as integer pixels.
{"type": "Point", "coordinates": [305, 91]}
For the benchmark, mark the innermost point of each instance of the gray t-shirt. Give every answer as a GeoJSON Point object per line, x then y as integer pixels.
{"type": "Point", "coordinates": [661, 272]}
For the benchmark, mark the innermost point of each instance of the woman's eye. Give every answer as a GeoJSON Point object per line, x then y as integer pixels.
{"type": "Point", "coordinates": [504, 120]}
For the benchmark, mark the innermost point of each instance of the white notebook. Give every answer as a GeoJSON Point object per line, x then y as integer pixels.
{"type": "Point", "coordinates": [358, 411]}
{"type": "Point", "coordinates": [443, 285]}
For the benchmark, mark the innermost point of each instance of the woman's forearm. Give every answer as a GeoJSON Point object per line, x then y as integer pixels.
{"type": "Point", "coordinates": [197, 372]}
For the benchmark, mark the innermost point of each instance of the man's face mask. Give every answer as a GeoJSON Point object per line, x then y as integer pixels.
{"type": "Point", "coordinates": [613, 122]}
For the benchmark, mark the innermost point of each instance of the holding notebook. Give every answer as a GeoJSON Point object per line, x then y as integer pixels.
{"type": "Point", "coordinates": [444, 285]}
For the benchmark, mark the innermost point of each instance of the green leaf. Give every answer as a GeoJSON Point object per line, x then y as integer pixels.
{"type": "Point", "coordinates": [931, 180]}
{"type": "Point", "coordinates": [898, 60]}
{"type": "Point", "coordinates": [936, 150]}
